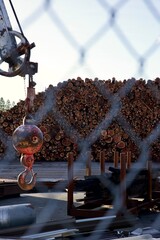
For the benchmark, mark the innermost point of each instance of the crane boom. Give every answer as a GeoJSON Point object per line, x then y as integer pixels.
{"type": "Point", "coordinates": [16, 55]}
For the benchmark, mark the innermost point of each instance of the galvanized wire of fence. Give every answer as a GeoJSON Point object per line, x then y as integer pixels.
{"type": "Point", "coordinates": [110, 24]}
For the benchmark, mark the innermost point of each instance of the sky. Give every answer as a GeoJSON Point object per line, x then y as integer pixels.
{"type": "Point", "coordinates": [79, 38]}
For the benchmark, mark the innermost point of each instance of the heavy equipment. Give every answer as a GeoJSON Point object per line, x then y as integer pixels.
{"type": "Point", "coordinates": [15, 52]}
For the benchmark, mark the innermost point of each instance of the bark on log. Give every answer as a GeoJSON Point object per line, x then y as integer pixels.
{"type": "Point", "coordinates": [80, 106]}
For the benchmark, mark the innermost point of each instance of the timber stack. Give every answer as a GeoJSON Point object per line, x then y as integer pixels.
{"type": "Point", "coordinates": [112, 115]}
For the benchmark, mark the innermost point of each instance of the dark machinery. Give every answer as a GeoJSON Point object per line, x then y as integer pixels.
{"type": "Point", "coordinates": [112, 192]}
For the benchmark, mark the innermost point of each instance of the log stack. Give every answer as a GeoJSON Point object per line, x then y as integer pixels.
{"type": "Point", "coordinates": [113, 116]}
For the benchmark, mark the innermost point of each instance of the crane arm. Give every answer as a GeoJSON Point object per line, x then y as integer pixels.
{"type": "Point", "coordinates": [15, 55]}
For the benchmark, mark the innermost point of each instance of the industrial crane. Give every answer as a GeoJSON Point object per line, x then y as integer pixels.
{"type": "Point", "coordinates": [16, 55]}
{"type": "Point", "coordinates": [15, 51]}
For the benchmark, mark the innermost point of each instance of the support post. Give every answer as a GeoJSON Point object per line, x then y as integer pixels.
{"type": "Point", "coordinates": [123, 194]}
{"type": "Point", "coordinates": [128, 159]}
{"type": "Point", "coordinates": [70, 183]}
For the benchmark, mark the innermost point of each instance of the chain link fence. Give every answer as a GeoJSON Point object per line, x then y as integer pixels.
{"type": "Point", "coordinates": [99, 38]}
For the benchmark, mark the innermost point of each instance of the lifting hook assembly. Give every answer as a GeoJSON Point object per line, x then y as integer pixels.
{"type": "Point", "coordinates": [27, 161]}
{"type": "Point", "coordinates": [27, 139]}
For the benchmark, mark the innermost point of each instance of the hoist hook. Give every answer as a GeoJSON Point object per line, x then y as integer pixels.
{"type": "Point", "coordinates": [27, 161]}
{"type": "Point", "coordinates": [23, 183]}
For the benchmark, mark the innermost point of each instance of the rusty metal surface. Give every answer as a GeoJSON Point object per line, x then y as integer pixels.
{"type": "Point", "coordinates": [120, 228]}
{"type": "Point", "coordinates": [54, 176]}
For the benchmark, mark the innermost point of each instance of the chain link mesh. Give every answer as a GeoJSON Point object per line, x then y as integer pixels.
{"type": "Point", "coordinates": [111, 30]}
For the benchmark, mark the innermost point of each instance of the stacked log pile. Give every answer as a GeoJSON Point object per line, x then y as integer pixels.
{"type": "Point", "coordinates": [78, 109]}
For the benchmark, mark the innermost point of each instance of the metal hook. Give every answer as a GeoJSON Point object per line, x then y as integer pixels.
{"type": "Point", "coordinates": [21, 179]}
{"type": "Point", "coordinates": [27, 161]}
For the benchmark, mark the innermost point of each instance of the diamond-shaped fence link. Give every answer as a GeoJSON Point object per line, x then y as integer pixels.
{"type": "Point", "coordinates": [111, 29]}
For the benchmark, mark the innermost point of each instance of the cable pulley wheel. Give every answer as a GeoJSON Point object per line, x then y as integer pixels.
{"type": "Point", "coordinates": [23, 49]}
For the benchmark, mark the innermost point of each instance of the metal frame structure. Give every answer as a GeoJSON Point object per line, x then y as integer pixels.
{"type": "Point", "coordinates": [128, 203]}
